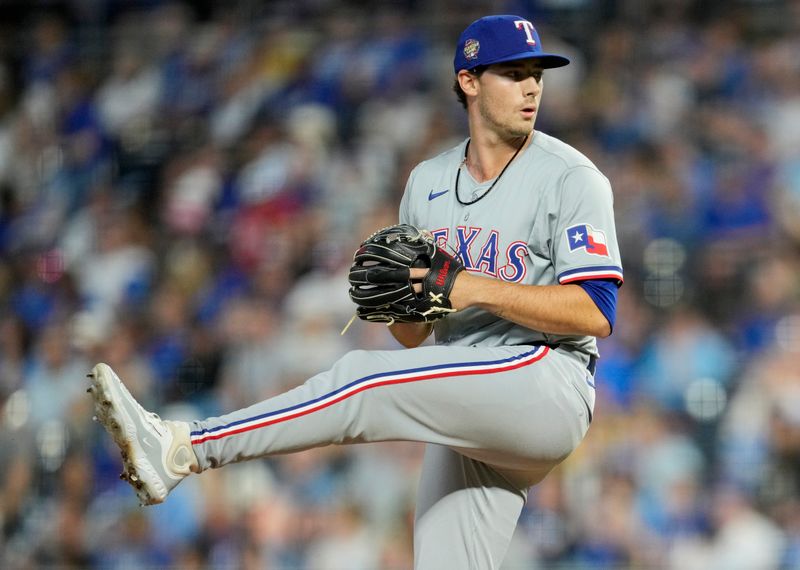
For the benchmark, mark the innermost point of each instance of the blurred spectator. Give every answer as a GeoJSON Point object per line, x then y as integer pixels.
{"type": "Point", "coordinates": [251, 363]}
{"type": "Point", "coordinates": [55, 369]}
{"type": "Point", "coordinates": [117, 271]}
{"type": "Point", "coordinates": [351, 540]}
{"type": "Point", "coordinates": [685, 350]}
{"type": "Point", "coordinates": [744, 539]}
{"type": "Point", "coordinates": [128, 99]}
{"type": "Point", "coordinates": [50, 49]}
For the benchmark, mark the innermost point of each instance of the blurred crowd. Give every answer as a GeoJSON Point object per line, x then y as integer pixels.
{"type": "Point", "coordinates": [182, 186]}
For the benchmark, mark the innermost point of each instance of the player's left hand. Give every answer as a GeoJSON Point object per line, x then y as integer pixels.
{"type": "Point", "coordinates": [400, 274]}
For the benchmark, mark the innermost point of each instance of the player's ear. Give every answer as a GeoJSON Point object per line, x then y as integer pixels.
{"type": "Point", "coordinates": [468, 82]}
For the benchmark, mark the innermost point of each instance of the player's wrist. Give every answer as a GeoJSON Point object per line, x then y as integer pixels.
{"type": "Point", "coordinates": [463, 293]}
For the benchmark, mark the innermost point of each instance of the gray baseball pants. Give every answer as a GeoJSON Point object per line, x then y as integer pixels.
{"type": "Point", "coordinates": [496, 421]}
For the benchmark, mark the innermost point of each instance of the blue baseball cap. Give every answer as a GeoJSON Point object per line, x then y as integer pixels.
{"type": "Point", "coordinates": [494, 39]}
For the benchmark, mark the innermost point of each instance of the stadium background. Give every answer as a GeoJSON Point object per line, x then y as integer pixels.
{"type": "Point", "coordinates": [181, 188]}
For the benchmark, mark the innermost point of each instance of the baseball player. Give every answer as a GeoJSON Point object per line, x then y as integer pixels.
{"type": "Point", "coordinates": [507, 391]}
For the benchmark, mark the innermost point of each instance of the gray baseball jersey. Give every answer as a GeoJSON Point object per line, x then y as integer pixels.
{"type": "Point", "coordinates": [497, 408]}
{"type": "Point", "coordinates": [548, 220]}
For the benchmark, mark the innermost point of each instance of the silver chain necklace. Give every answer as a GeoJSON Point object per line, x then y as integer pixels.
{"type": "Point", "coordinates": [464, 162]}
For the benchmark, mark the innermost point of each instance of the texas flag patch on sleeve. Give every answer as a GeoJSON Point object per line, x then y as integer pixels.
{"type": "Point", "coordinates": [584, 236]}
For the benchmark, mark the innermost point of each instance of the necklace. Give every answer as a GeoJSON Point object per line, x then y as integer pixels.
{"type": "Point", "coordinates": [463, 162]}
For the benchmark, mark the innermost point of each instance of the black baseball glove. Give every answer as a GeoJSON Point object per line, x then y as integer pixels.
{"type": "Point", "coordinates": [380, 282]}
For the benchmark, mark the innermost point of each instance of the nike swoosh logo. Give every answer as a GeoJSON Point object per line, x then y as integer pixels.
{"type": "Point", "coordinates": [433, 194]}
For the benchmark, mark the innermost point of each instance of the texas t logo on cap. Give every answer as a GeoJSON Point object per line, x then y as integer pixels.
{"type": "Point", "coordinates": [528, 27]}
{"type": "Point", "coordinates": [495, 39]}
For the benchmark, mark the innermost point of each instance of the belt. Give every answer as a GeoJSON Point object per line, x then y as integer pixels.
{"type": "Point", "coordinates": [591, 366]}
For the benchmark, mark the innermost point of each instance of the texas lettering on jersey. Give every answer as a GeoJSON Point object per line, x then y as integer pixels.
{"type": "Point", "coordinates": [480, 252]}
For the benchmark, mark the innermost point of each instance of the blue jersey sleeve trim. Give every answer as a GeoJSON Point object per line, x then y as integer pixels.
{"type": "Point", "coordinates": [604, 295]}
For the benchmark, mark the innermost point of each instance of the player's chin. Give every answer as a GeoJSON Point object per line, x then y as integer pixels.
{"type": "Point", "coordinates": [521, 129]}
{"type": "Point", "coordinates": [523, 124]}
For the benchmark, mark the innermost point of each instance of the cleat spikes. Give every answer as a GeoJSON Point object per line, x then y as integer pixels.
{"type": "Point", "coordinates": [90, 375]}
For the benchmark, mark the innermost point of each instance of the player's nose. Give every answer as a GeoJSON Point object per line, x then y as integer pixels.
{"type": "Point", "coordinates": [531, 87]}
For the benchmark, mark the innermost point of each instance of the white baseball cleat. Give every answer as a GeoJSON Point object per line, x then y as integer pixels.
{"type": "Point", "coordinates": [156, 454]}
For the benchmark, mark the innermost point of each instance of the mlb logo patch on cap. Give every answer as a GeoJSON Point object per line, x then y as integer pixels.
{"type": "Point", "coordinates": [471, 48]}
{"type": "Point", "coordinates": [494, 39]}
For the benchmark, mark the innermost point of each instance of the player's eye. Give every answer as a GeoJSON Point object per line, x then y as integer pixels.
{"type": "Point", "coordinates": [519, 75]}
